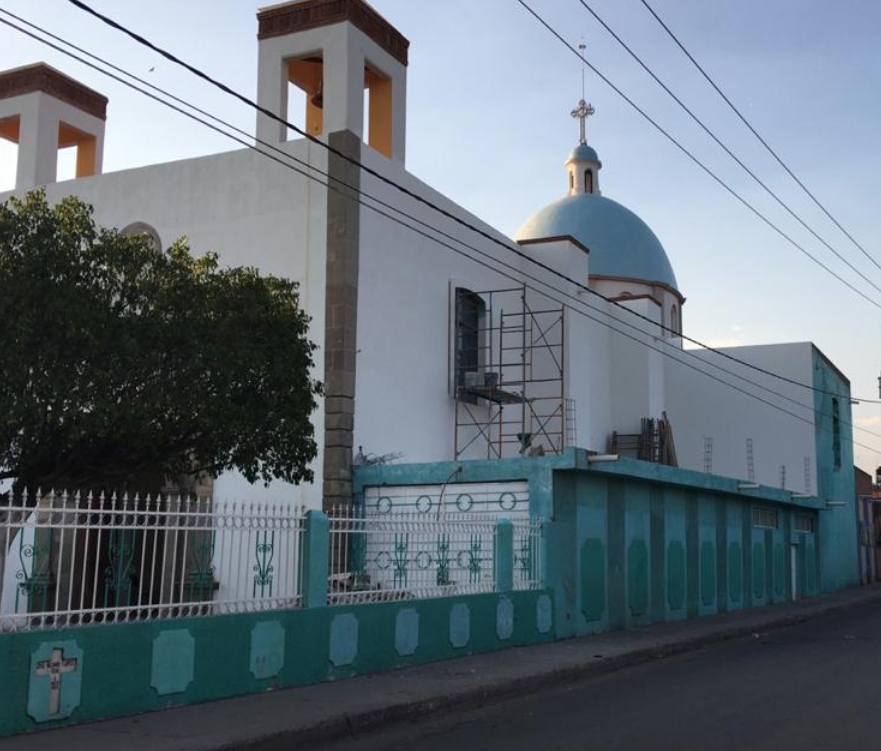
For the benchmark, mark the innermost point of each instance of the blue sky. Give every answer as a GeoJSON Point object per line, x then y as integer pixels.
{"type": "Point", "coordinates": [489, 99]}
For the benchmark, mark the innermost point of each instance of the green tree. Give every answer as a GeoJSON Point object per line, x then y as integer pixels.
{"type": "Point", "coordinates": [122, 365]}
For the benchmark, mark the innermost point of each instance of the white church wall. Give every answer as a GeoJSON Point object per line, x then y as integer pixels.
{"type": "Point", "coordinates": [637, 371]}
{"type": "Point", "coordinates": [570, 260]}
{"type": "Point", "coordinates": [667, 300]}
{"type": "Point", "coordinates": [250, 211]}
{"type": "Point", "coordinates": [589, 369]}
{"type": "Point", "coordinates": [594, 408]}
{"type": "Point", "coordinates": [404, 401]}
{"type": "Point", "coordinates": [700, 407]}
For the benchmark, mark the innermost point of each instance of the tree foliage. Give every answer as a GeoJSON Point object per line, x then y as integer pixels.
{"type": "Point", "coordinates": [121, 364]}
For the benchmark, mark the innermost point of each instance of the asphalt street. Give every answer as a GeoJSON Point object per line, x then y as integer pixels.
{"type": "Point", "coordinates": [816, 685]}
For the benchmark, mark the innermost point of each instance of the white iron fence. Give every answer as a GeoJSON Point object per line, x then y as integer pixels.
{"type": "Point", "coordinates": [399, 556]}
{"type": "Point", "coordinates": [487, 499]}
{"type": "Point", "coordinates": [76, 560]}
{"type": "Point", "coordinates": [73, 560]}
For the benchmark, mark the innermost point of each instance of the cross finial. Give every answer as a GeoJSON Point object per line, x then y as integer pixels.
{"type": "Point", "coordinates": [581, 113]}
{"type": "Point", "coordinates": [583, 110]}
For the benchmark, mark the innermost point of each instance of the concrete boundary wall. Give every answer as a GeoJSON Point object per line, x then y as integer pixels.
{"type": "Point", "coordinates": [115, 670]}
{"type": "Point", "coordinates": [627, 544]}
{"type": "Point", "coordinates": [630, 543]}
{"type": "Point", "coordinates": [626, 554]}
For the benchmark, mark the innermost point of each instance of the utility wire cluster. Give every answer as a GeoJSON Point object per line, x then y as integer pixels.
{"type": "Point", "coordinates": [422, 228]}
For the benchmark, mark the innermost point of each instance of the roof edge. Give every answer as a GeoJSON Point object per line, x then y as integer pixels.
{"type": "Point", "coordinates": [555, 239]}
{"type": "Point", "coordinates": [831, 364]}
{"type": "Point", "coordinates": [43, 78]}
{"type": "Point", "coordinates": [300, 15]}
{"type": "Point", "coordinates": [648, 282]}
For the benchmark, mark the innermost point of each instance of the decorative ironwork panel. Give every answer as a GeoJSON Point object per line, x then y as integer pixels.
{"type": "Point", "coordinates": [90, 559]}
{"type": "Point", "coordinates": [380, 555]}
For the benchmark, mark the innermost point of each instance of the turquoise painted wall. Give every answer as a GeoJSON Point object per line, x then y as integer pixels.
{"type": "Point", "coordinates": [593, 519]}
{"type": "Point", "coordinates": [734, 555]}
{"type": "Point", "coordinates": [636, 502]}
{"type": "Point", "coordinates": [707, 564]}
{"type": "Point", "coordinates": [627, 551]}
{"type": "Point", "coordinates": [129, 668]}
{"type": "Point", "coordinates": [632, 543]}
{"type": "Point", "coordinates": [838, 551]}
{"type": "Point", "coordinates": [675, 573]}
{"type": "Point", "coordinates": [627, 544]}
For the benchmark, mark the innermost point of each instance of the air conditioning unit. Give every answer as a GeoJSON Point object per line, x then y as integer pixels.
{"type": "Point", "coordinates": [473, 379]}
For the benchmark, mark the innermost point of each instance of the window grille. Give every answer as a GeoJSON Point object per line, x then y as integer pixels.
{"type": "Point", "coordinates": [766, 518]}
{"type": "Point", "coordinates": [804, 523]}
{"type": "Point", "coordinates": [836, 434]}
{"type": "Point", "coordinates": [470, 310]}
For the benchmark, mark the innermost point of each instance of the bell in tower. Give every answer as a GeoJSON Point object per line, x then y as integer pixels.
{"type": "Point", "coordinates": [339, 53]}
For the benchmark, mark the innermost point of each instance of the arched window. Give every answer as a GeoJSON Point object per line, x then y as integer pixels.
{"type": "Point", "coordinates": [141, 228]}
{"type": "Point", "coordinates": [674, 320]}
{"type": "Point", "coordinates": [588, 181]}
{"type": "Point", "coordinates": [571, 180]}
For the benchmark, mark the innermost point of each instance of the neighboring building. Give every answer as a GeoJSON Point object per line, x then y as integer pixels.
{"type": "Point", "coordinates": [869, 524]}
{"type": "Point", "coordinates": [423, 351]}
{"type": "Point", "coordinates": [808, 451]}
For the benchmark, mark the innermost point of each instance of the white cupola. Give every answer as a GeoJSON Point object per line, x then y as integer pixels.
{"type": "Point", "coordinates": [583, 165]}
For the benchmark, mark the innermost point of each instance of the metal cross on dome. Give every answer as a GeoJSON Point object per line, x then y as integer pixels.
{"type": "Point", "coordinates": [582, 112]}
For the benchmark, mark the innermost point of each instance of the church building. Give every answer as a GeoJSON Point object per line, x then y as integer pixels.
{"type": "Point", "coordinates": [440, 338]}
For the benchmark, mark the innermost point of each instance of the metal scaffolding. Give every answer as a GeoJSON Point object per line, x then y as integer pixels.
{"type": "Point", "coordinates": [509, 358]}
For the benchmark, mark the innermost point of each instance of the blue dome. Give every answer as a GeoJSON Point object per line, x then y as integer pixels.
{"type": "Point", "coordinates": [620, 243]}
{"type": "Point", "coordinates": [583, 153]}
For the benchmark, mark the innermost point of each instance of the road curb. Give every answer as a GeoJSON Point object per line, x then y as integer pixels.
{"type": "Point", "coordinates": [354, 724]}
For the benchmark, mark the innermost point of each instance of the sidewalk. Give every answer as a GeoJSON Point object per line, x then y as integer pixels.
{"type": "Point", "coordinates": [312, 714]}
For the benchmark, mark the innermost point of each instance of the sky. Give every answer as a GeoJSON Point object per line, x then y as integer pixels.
{"type": "Point", "coordinates": [489, 97]}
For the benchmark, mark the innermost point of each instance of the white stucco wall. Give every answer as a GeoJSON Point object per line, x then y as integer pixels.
{"type": "Point", "coordinates": [404, 402]}
{"type": "Point", "coordinates": [699, 406]}
{"type": "Point", "coordinates": [403, 398]}
{"type": "Point", "coordinates": [250, 211]}
{"type": "Point", "coordinates": [637, 370]}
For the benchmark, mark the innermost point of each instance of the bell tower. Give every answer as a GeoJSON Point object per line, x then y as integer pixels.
{"type": "Point", "coordinates": [345, 58]}
{"type": "Point", "coordinates": [334, 51]}
{"type": "Point", "coordinates": [43, 110]}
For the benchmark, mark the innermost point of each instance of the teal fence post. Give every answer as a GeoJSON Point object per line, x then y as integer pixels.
{"type": "Point", "coordinates": [503, 556]}
{"type": "Point", "coordinates": [316, 541]}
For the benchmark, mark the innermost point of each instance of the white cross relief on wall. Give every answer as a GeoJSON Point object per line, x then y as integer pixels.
{"type": "Point", "coordinates": [55, 668]}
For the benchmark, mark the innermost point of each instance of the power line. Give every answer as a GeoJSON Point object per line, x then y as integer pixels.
{"type": "Point", "coordinates": [324, 174]}
{"type": "Point", "coordinates": [327, 175]}
{"type": "Point", "coordinates": [725, 148]}
{"type": "Point", "coordinates": [426, 235]}
{"type": "Point", "coordinates": [690, 155]}
{"type": "Point", "coordinates": [758, 135]}
{"type": "Point", "coordinates": [458, 220]}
